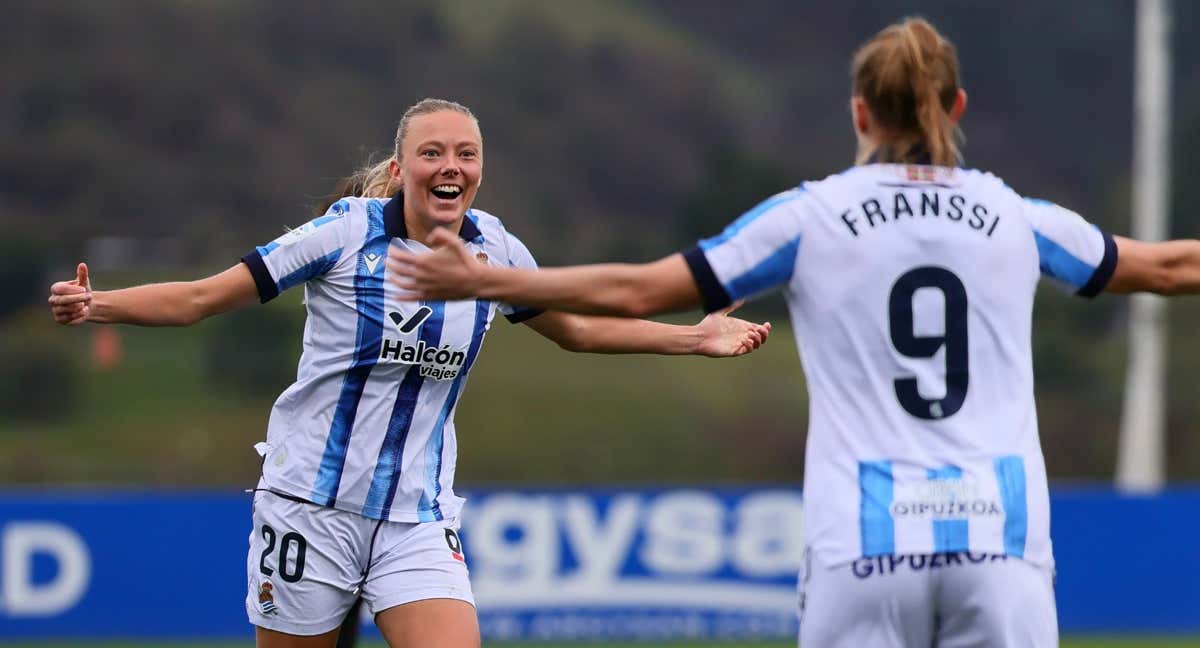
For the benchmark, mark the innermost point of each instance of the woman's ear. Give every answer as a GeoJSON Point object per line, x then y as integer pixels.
{"type": "Point", "coordinates": [396, 173]}
{"type": "Point", "coordinates": [860, 115]}
{"type": "Point", "coordinates": [959, 107]}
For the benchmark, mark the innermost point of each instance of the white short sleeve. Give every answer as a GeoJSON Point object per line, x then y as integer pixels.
{"type": "Point", "coordinates": [1072, 251]}
{"type": "Point", "coordinates": [755, 254]}
{"type": "Point", "coordinates": [302, 254]}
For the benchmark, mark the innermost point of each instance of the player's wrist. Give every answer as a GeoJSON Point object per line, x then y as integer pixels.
{"type": "Point", "coordinates": [693, 339]}
{"type": "Point", "coordinates": [96, 308]}
{"type": "Point", "coordinates": [488, 281]}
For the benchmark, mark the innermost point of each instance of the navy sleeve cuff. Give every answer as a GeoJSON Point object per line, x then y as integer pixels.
{"type": "Point", "coordinates": [267, 290]}
{"type": "Point", "coordinates": [712, 293]}
{"type": "Point", "coordinates": [1104, 271]}
{"type": "Point", "coordinates": [523, 314]}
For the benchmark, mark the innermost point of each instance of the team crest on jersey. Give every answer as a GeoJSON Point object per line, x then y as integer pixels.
{"type": "Point", "coordinates": [266, 600]}
{"type": "Point", "coordinates": [482, 257]}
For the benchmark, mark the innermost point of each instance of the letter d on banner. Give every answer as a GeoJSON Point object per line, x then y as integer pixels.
{"type": "Point", "coordinates": [19, 595]}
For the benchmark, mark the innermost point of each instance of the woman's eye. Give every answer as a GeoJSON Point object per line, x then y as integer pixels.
{"type": "Point", "coordinates": [429, 154]}
{"type": "Point", "coordinates": [468, 154]}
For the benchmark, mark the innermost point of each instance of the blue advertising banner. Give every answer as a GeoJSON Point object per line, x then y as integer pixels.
{"type": "Point", "coordinates": [95, 565]}
{"type": "Point", "coordinates": [649, 564]}
{"type": "Point", "coordinates": [643, 564]}
{"type": "Point", "coordinates": [1126, 563]}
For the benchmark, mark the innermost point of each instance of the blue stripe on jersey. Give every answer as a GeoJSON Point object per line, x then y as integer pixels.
{"type": "Point", "coordinates": [948, 535]}
{"type": "Point", "coordinates": [875, 520]}
{"type": "Point", "coordinates": [772, 271]}
{"type": "Point", "coordinates": [428, 509]}
{"type": "Point", "coordinates": [388, 468]}
{"type": "Point", "coordinates": [1010, 475]}
{"type": "Point", "coordinates": [314, 268]}
{"type": "Point", "coordinates": [368, 294]}
{"type": "Point", "coordinates": [1056, 261]}
{"type": "Point", "coordinates": [749, 217]}
{"type": "Point", "coordinates": [264, 250]}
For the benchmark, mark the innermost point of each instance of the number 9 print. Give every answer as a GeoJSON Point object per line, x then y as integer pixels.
{"type": "Point", "coordinates": [908, 343]}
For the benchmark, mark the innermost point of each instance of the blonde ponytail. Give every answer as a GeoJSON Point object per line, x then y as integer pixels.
{"type": "Point", "coordinates": [374, 180]}
{"type": "Point", "coordinates": [908, 76]}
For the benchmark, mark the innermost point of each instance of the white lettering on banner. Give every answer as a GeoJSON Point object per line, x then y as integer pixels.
{"type": "Point", "coordinates": [770, 537]}
{"type": "Point", "coordinates": [566, 550]}
{"type": "Point", "coordinates": [684, 533]}
{"type": "Point", "coordinates": [601, 546]}
{"type": "Point", "coordinates": [514, 540]}
{"type": "Point", "coordinates": [19, 595]}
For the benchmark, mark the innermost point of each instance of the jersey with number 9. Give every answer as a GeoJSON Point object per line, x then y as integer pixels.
{"type": "Point", "coordinates": [911, 292]}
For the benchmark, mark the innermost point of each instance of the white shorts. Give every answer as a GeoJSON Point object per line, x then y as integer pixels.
{"type": "Point", "coordinates": [941, 600]}
{"type": "Point", "coordinates": [308, 563]}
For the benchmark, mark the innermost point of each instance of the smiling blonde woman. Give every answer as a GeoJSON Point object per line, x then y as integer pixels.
{"type": "Point", "coordinates": [356, 498]}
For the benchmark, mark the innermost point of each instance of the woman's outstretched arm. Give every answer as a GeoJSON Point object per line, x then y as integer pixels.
{"type": "Point", "coordinates": [620, 289]}
{"type": "Point", "coordinates": [177, 303]}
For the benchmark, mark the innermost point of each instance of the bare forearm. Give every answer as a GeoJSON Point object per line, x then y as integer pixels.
{"type": "Point", "coordinates": [1184, 263]}
{"type": "Point", "coordinates": [605, 289]}
{"type": "Point", "coordinates": [596, 334]}
{"type": "Point", "coordinates": [625, 290]}
{"type": "Point", "coordinates": [162, 304]}
{"type": "Point", "coordinates": [617, 289]}
{"type": "Point", "coordinates": [177, 303]}
{"type": "Point", "coordinates": [1166, 268]}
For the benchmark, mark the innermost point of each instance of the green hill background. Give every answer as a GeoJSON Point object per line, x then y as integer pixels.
{"type": "Point", "coordinates": [161, 140]}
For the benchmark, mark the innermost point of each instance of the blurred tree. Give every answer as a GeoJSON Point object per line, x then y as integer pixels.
{"type": "Point", "coordinates": [733, 184]}
{"type": "Point", "coordinates": [21, 274]}
{"type": "Point", "coordinates": [39, 382]}
{"type": "Point", "coordinates": [252, 352]}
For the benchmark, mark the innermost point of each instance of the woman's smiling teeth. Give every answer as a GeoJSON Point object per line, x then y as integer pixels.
{"type": "Point", "coordinates": [446, 191]}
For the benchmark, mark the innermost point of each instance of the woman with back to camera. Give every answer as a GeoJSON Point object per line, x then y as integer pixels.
{"type": "Point", "coordinates": [910, 284]}
{"type": "Point", "coordinates": [356, 497]}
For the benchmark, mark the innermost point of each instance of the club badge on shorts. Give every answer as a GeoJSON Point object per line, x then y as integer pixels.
{"type": "Point", "coordinates": [266, 601]}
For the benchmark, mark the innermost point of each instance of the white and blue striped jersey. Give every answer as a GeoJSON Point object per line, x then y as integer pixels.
{"type": "Point", "coordinates": [368, 426]}
{"type": "Point", "coordinates": [911, 290]}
